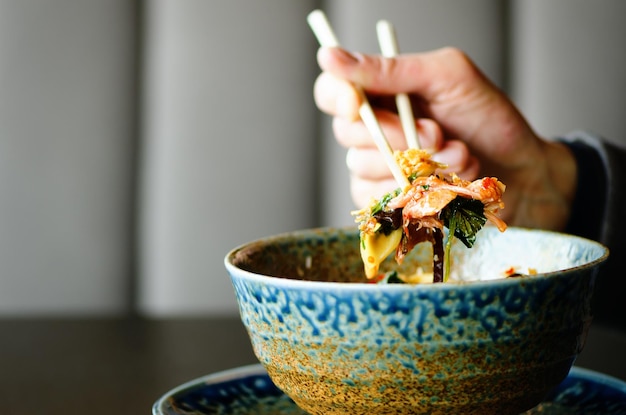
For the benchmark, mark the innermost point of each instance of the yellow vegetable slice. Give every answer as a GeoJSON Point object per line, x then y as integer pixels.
{"type": "Point", "coordinates": [375, 247]}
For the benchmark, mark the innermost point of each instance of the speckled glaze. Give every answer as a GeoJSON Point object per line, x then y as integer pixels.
{"type": "Point", "coordinates": [249, 391]}
{"type": "Point", "coordinates": [336, 345]}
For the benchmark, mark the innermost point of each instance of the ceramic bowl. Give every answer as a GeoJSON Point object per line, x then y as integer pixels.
{"type": "Point", "coordinates": [336, 344]}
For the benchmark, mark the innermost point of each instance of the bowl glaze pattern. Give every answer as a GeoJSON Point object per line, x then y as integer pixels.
{"type": "Point", "coordinates": [248, 390]}
{"type": "Point", "coordinates": [336, 345]}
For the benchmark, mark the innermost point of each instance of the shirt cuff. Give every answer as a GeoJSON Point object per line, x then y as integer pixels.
{"type": "Point", "coordinates": [589, 205]}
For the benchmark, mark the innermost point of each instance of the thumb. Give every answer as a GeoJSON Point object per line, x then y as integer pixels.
{"type": "Point", "coordinates": [430, 75]}
{"type": "Point", "coordinates": [370, 72]}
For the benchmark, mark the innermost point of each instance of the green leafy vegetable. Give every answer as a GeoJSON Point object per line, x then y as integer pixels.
{"type": "Point", "coordinates": [464, 218]}
{"type": "Point", "coordinates": [382, 203]}
{"type": "Point", "coordinates": [389, 220]}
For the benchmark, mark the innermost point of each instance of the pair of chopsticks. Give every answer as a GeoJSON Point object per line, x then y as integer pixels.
{"type": "Point", "coordinates": [389, 47]}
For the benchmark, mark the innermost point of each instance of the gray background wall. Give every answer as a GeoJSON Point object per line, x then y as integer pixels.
{"type": "Point", "coordinates": [140, 141]}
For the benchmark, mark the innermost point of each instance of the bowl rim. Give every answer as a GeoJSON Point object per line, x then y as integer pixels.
{"type": "Point", "coordinates": [359, 286]}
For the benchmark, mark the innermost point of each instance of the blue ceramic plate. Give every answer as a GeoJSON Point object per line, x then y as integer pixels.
{"type": "Point", "coordinates": [248, 390]}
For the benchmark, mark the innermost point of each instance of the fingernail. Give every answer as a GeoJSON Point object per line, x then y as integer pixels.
{"type": "Point", "coordinates": [347, 57]}
{"type": "Point", "coordinates": [350, 158]}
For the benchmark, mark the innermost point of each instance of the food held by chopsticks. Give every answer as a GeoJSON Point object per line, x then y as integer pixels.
{"type": "Point", "coordinates": [419, 213]}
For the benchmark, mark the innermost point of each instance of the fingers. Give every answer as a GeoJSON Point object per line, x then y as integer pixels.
{"type": "Point", "coordinates": [370, 177]}
{"type": "Point", "coordinates": [367, 162]}
{"type": "Point", "coordinates": [363, 190]}
{"type": "Point", "coordinates": [336, 96]}
{"type": "Point", "coordinates": [457, 156]}
{"type": "Point", "coordinates": [430, 135]}
{"type": "Point", "coordinates": [448, 86]}
{"type": "Point", "coordinates": [355, 134]}
{"type": "Point", "coordinates": [429, 74]}
{"type": "Point", "coordinates": [372, 72]}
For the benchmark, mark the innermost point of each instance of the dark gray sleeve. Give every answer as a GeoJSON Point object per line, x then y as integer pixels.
{"type": "Point", "coordinates": [598, 213]}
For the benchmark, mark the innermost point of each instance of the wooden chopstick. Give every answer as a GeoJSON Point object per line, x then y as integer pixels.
{"type": "Point", "coordinates": [326, 37]}
{"type": "Point", "coordinates": [388, 42]}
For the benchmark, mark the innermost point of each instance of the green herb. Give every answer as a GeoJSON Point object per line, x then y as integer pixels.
{"type": "Point", "coordinates": [388, 220]}
{"type": "Point", "coordinates": [464, 218]}
{"type": "Point", "coordinates": [391, 278]}
{"type": "Point", "coordinates": [382, 203]}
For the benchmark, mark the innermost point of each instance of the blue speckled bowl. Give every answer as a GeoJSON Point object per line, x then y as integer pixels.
{"type": "Point", "coordinates": [336, 345]}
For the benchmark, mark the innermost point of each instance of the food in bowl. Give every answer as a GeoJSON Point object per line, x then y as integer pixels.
{"type": "Point", "coordinates": [479, 344]}
{"type": "Point", "coordinates": [419, 212]}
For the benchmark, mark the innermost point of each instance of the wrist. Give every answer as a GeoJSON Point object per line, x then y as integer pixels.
{"type": "Point", "coordinates": [589, 201]}
{"type": "Point", "coordinates": [562, 170]}
{"type": "Point", "coordinates": [548, 188]}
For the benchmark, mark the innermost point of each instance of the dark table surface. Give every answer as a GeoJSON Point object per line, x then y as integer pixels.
{"type": "Point", "coordinates": [122, 366]}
